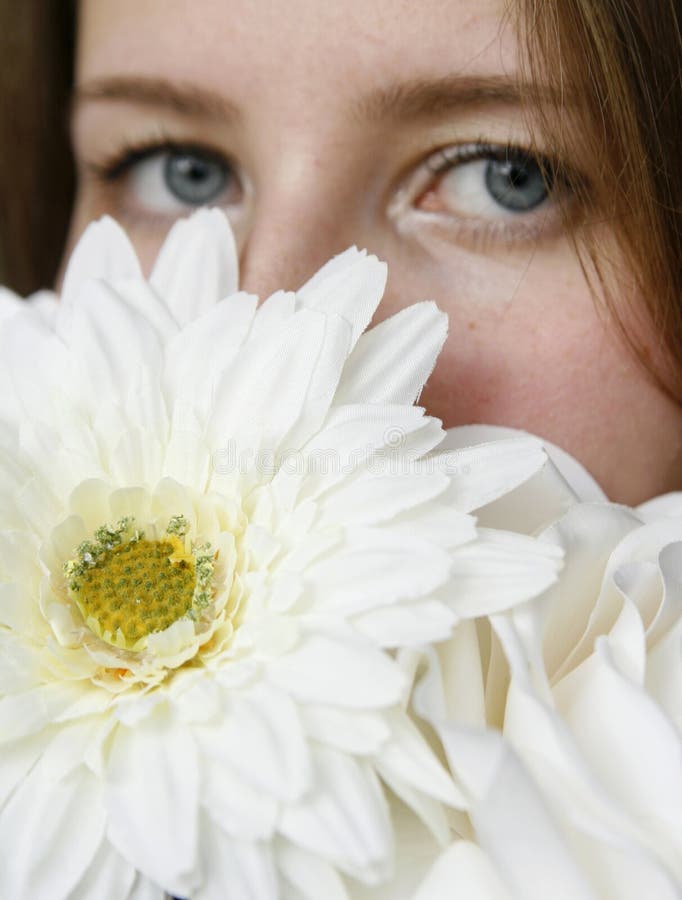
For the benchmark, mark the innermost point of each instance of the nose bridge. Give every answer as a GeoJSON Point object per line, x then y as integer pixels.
{"type": "Point", "coordinates": [301, 217]}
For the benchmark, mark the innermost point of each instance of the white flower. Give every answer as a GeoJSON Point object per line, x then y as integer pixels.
{"type": "Point", "coordinates": [561, 718]}
{"type": "Point", "coordinates": [218, 524]}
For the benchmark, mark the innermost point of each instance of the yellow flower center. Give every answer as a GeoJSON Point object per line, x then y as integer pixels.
{"type": "Point", "coordinates": [138, 588]}
{"type": "Point", "coordinates": [128, 587]}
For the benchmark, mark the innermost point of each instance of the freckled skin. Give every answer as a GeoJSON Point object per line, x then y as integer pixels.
{"type": "Point", "coordinates": [527, 346]}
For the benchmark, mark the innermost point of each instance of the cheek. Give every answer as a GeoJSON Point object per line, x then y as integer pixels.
{"type": "Point", "coordinates": [524, 365]}
{"type": "Point", "coordinates": [527, 348]}
{"type": "Point", "coordinates": [525, 342]}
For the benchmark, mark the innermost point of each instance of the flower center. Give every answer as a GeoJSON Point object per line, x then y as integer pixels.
{"type": "Point", "coordinates": [128, 587]}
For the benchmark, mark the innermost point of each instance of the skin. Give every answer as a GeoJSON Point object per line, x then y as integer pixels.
{"type": "Point", "coordinates": [529, 346]}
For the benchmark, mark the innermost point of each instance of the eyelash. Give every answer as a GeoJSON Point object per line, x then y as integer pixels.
{"type": "Point", "coordinates": [113, 167]}
{"type": "Point", "coordinates": [447, 158]}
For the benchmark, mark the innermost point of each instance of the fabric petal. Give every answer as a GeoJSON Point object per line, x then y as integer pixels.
{"type": "Point", "coordinates": [197, 265]}
{"type": "Point", "coordinates": [345, 820]}
{"type": "Point", "coordinates": [245, 869]}
{"type": "Point", "coordinates": [65, 819]}
{"type": "Point", "coordinates": [391, 362]}
{"type": "Point", "coordinates": [152, 786]}
{"type": "Point", "coordinates": [103, 252]}
{"type": "Point", "coordinates": [322, 670]}
{"type": "Point", "coordinates": [350, 285]}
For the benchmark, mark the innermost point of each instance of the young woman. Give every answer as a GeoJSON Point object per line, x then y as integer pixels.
{"type": "Point", "coordinates": [518, 163]}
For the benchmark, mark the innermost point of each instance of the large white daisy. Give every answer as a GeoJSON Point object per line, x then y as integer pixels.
{"type": "Point", "coordinates": [219, 522]}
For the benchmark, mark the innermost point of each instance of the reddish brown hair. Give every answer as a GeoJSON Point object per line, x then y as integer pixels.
{"type": "Point", "coordinates": [619, 64]}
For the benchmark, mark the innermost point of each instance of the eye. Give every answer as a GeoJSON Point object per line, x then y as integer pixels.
{"type": "Point", "coordinates": [169, 179]}
{"type": "Point", "coordinates": [486, 182]}
{"type": "Point", "coordinates": [193, 179]}
{"type": "Point", "coordinates": [516, 184]}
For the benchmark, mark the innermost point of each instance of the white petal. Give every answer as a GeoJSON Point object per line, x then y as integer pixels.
{"type": "Point", "coordinates": [407, 756]}
{"type": "Point", "coordinates": [499, 570]}
{"type": "Point", "coordinates": [667, 505]}
{"type": "Point", "coordinates": [145, 405]}
{"type": "Point", "coordinates": [152, 800]}
{"type": "Point", "coordinates": [463, 868]}
{"type": "Point", "coordinates": [311, 876]}
{"type": "Point", "coordinates": [354, 732]}
{"type": "Point", "coordinates": [103, 252]}
{"type": "Point", "coordinates": [370, 498]}
{"type": "Point", "coordinates": [49, 831]}
{"type": "Point", "coordinates": [378, 438]}
{"type": "Point", "coordinates": [572, 474]}
{"type": "Point", "coordinates": [144, 889]}
{"type": "Point", "coordinates": [188, 458]}
{"type": "Point", "coordinates": [140, 297]}
{"type": "Point", "coordinates": [18, 758]}
{"type": "Point", "coordinates": [391, 362]}
{"type": "Point", "coordinates": [322, 385]}
{"type": "Point", "coordinates": [281, 364]}
{"type": "Point", "coordinates": [197, 355]}
{"type": "Point", "coordinates": [274, 312]}
{"type": "Point", "coordinates": [484, 473]}
{"type": "Point", "coordinates": [669, 613]}
{"type": "Point", "coordinates": [239, 809]}
{"type": "Point", "coordinates": [345, 820]}
{"type": "Point", "coordinates": [664, 675]}
{"type": "Point", "coordinates": [110, 340]}
{"type": "Point", "coordinates": [10, 303]}
{"type": "Point", "coordinates": [416, 851]}
{"type": "Point", "coordinates": [628, 741]}
{"type": "Point", "coordinates": [588, 534]}
{"type": "Point", "coordinates": [261, 737]}
{"type": "Point", "coordinates": [408, 624]}
{"type": "Point", "coordinates": [30, 711]}
{"type": "Point", "coordinates": [515, 827]}
{"type": "Point", "coordinates": [436, 522]}
{"type": "Point", "coordinates": [452, 687]}
{"type": "Point", "coordinates": [197, 265]}
{"type": "Point", "coordinates": [244, 868]}
{"type": "Point", "coordinates": [109, 875]}
{"type": "Point", "coordinates": [348, 675]}
{"type": "Point", "coordinates": [624, 870]}
{"type": "Point", "coordinates": [31, 389]}
{"type": "Point", "coordinates": [377, 569]}
{"type": "Point", "coordinates": [350, 285]}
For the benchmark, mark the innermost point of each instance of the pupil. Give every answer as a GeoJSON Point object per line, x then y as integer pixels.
{"type": "Point", "coordinates": [194, 179]}
{"type": "Point", "coordinates": [516, 184]}
{"type": "Point", "coordinates": [517, 176]}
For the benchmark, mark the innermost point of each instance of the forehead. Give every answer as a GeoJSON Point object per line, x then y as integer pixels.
{"type": "Point", "coordinates": [316, 48]}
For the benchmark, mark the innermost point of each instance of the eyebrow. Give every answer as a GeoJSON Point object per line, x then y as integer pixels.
{"type": "Point", "coordinates": [184, 98]}
{"type": "Point", "coordinates": [423, 97]}
{"type": "Point", "coordinates": [414, 99]}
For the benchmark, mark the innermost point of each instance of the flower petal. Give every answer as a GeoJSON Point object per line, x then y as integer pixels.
{"type": "Point", "coordinates": [345, 820]}
{"type": "Point", "coordinates": [350, 285]}
{"type": "Point", "coordinates": [344, 674]}
{"type": "Point", "coordinates": [65, 819]}
{"type": "Point", "coordinates": [464, 868]}
{"type": "Point", "coordinates": [243, 868]}
{"type": "Point", "coordinates": [391, 362]}
{"type": "Point", "coordinates": [197, 265]}
{"type": "Point", "coordinates": [103, 252]}
{"type": "Point", "coordinates": [152, 788]}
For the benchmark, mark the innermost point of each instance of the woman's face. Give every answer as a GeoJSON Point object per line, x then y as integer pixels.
{"type": "Point", "coordinates": [394, 126]}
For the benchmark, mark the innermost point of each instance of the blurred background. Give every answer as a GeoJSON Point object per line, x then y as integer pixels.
{"type": "Point", "coordinates": [36, 173]}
